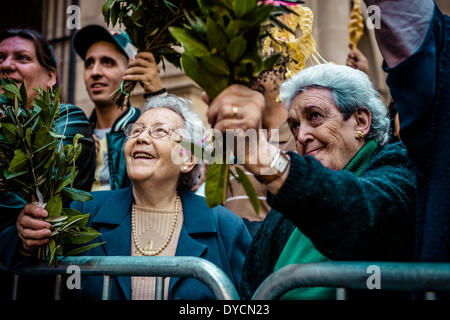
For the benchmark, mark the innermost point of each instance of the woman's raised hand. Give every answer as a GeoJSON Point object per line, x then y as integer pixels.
{"type": "Point", "coordinates": [32, 229]}
{"type": "Point", "coordinates": [237, 107]}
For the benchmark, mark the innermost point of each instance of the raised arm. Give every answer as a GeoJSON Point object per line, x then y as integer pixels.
{"type": "Point", "coordinates": [404, 24]}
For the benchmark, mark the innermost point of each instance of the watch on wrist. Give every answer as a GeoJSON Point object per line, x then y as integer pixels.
{"type": "Point", "coordinates": [277, 167]}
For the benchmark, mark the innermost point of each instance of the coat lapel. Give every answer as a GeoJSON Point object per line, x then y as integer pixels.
{"type": "Point", "coordinates": [114, 222]}
{"type": "Point", "coordinates": [198, 219]}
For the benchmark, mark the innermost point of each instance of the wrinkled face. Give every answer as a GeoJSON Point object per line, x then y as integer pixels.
{"type": "Point", "coordinates": [104, 66]}
{"type": "Point", "coordinates": [150, 159]}
{"type": "Point", "coordinates": [19, 62]}
{"type": "Point", "coordinates": [320, 130]}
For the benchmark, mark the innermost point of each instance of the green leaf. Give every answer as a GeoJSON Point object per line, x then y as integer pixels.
{"type": "Point", "coordinates": [41, 139]}
{"type": "Point", "coordinates": [54, 206]}
{"type": "Point", "coordinates": [196, 23]}
{"type": "Point", "coordinates": [216, 184]}
{"type": "Point", "coordinates": [28, 136]}
{"type": "Point", "coordinates": [85, 235]}
{"type": "Point", "coordinates": [114, 13]}
{"type": "Point", "coordinates": [10, 175]}
{"type": "Point", "coordinates": [79, 221]}
{"type": "Point", "coordinates": [70, 212]}
{"type": "Point", "coordinates": [211, 83]}
{"type": "Point", "coordinates": [242, 7]}
{"type": "Point", "coordinates": [77, 195]}
{"type": "Point", "coordinates": [57, 136]}
{"type": "Point", "coordinates": [235, 27]}
{"type": "Point", "coordinates": [105, 10]}
{"type": "Point", "coordinates": [52, 248]}
{"type": "Point", "coordinates": [9, 131]}
{"type": "Point", "coordinates": [11, 91]}
{"type": "Point", "coordinates": [23, 94]}
{"type": "Point", "coordinates": [83, 249]}
{"type": "Point", "coordinates": [55, 220]}
{"type": "Point", "coordinates": [259, 15]}
{"type": "Point", "coordinates": [255, 61]}
{"type": "Point", "coordinates": [18, 162]}
{"type": "Point", "coordinates": [236, 48]}
{"type": "Point", "coordinates": [216, 36]}
{"type": "Point", "coordinates": [190, 43]}
{"type": "Point", "coordinates": [221, 3]}
{"type": "Point", "coordinates": [249, 189]}
{"type": "Point", "coordinates": [216, 65]}
{"type": "Point", "coordinates": [77, 137]}
{"type": "Point", "coordinates": [67, 181]}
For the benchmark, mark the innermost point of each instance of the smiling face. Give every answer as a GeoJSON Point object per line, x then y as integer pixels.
{"type": "Point", "coordinates": [320, 129]}
{"type": "Point", "coordinates": [148, 158]}
{"type": "Point", "coordinates": [19, 62]}
{"type": "Point", "coordinates": [104, 67]}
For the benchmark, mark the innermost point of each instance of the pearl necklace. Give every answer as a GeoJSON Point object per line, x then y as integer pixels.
{"type": "Point", "coordinates": [145, 252]}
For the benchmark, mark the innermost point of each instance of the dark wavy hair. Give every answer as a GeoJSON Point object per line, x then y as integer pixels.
{"type": "Point", "coordinates": [44, 51]}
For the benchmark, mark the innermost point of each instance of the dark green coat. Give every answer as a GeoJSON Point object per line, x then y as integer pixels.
{"type": "Point", "coordinates": [347, 217]}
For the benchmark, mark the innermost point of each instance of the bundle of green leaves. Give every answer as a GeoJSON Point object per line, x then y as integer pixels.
{"type": "Point", "coordinates": [36, 166]}
{"type": "Point", "coordinates": [222, 46]}
{"type": "Point", "coordinates": [147, 23]}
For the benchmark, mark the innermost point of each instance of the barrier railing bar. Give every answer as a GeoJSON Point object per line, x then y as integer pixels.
{"type": "Point", "coordinates": [106, 293]}
{"type": "Point", "coordinates": [403, 276]}
{"type": "Point", "coordinates": [58, 287]}
{"type": "Point", "coordinates": [159, 288]}
{"type": "Point", "coordinates": [431, 295]}
{"type": "Point", "coordinates": [341, 294]}
{"type": "Point", "coordinates": [182, 267]}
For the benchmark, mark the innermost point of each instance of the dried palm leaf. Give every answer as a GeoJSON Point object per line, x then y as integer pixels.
{"type": "Point", "coordinates": [356, 25]}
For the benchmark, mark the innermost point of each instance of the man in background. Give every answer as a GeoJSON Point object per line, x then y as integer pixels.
{"type": "Point", "coordinates": [110, 58]}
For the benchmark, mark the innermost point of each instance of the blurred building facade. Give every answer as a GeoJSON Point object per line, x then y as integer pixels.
{"type": "Point", "coordinates": [55, 20]}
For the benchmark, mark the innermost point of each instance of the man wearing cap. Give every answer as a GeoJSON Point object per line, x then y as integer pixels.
{"type": "Point", "coordinates": [110, 58]}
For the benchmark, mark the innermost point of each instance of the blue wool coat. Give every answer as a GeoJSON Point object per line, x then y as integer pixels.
{"type": "Point", "coordinates": [216, 234]}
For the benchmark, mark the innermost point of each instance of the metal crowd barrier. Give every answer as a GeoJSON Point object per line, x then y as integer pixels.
{"type": "Point", "coordinates": [401, 276]}
{"type": "Point", "coordinates": [159, 267]}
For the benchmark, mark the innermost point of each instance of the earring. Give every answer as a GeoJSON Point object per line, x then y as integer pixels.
{"type": "Point", "coordinates": [359, 134]}
{"type": "Point", "coordinates": [184, 168]}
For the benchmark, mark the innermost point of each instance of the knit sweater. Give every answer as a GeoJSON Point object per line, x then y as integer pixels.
{"type": "Point", "coordinates": [347, 217]}
{"type": "Point", "coordinates": [153, 225]}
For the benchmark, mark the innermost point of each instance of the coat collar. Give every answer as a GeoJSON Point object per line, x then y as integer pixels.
{"type": "Point", "coordinates": [198, 217]}
{"type": "Point", "coordinates": [116, 216]}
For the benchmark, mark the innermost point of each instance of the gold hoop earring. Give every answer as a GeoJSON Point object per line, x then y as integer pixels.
{"type": "Point", "coordinates": [359, 134]}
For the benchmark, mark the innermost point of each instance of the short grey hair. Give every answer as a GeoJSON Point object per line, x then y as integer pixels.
{"type": "Point", "coordinates": [192, 123]}
{"type": "Point", "coordinates": [350, 89]}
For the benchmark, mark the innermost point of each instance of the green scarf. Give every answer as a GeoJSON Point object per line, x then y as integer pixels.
{"type": "Point", "coordinates": [300, 249]}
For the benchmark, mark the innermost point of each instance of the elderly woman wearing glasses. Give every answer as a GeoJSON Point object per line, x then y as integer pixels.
{"type": "Point", "coordinates": [158, 215]}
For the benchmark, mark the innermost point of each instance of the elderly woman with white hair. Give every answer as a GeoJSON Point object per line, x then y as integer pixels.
{"type": "Point", "coordinates": [345, 195]}
{"type": "Point", "coordinates": [158, 215]}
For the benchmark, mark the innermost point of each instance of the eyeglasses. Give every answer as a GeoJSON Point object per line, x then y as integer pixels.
{"type": "Point", "coordinates": [157, 131]}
